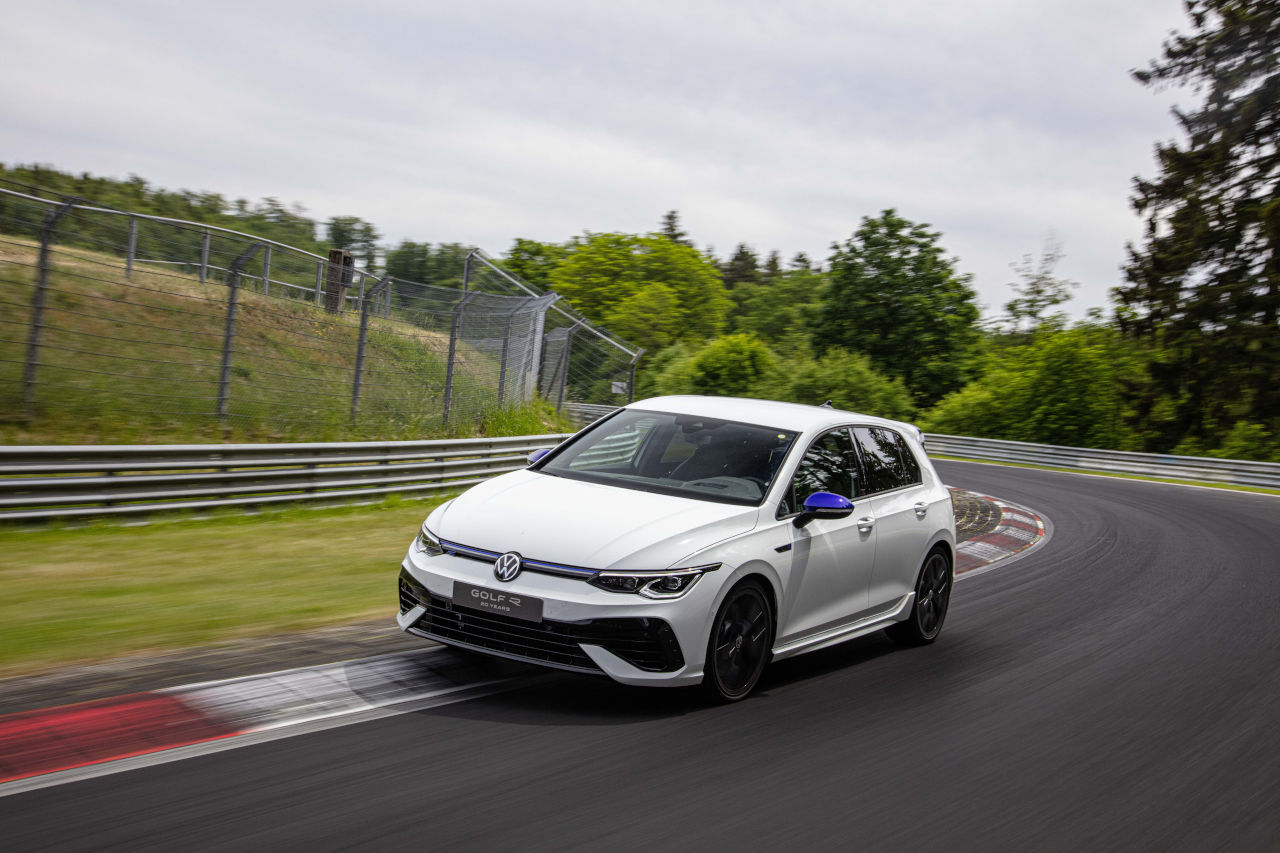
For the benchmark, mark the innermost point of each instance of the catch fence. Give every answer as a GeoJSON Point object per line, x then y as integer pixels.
{"type": "Point", "coordinates": [135, 326]}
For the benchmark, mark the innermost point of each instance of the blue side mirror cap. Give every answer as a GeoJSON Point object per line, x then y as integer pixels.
{"type": "Point", "coordinates": [823, 505]}
{"type": "Point", "coordinates": [538, 454]}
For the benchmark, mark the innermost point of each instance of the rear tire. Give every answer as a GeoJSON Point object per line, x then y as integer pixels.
{"type": "Point", "coordinates": [929, 610]}
{"type": "Point", "coordinates": [740, 644]}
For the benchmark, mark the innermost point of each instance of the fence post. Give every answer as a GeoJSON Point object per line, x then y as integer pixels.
{"type": "Point", "coordinates": [564, 364]}
{"type": "Point", "coordinates": [204, 256]}
{"type": "Point", "coordinates": [454, 328]}
{"type": "Point", "coordinates": [224, 379]}
{"type": "Point", "coordinates": [631, 380]}
{"type": "Point", "coordinates": [266, 270]}
{"type": "Point", "coordinates": [466, 270]}
{"type": "Point", "coordinates": [51, 219]}
{"type": "Point", "coordinates": [506, 345]}
{"type": "Point", "coordinates": [133, 247]}
{"type": "Point", "coordinates": [364, 338]}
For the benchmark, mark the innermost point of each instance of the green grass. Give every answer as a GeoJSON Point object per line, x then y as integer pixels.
{"type": "Point", "coordinates": [106, 590]}
{"type": "Point", "coordinates": [1231, 487]}
{"type": "Point", "coordinates": [138, 360]}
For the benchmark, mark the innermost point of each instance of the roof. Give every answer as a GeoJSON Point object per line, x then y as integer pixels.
{"type": "Point", "coordinates": [791, 416]}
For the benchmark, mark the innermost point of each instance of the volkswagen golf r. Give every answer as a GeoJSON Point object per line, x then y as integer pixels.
{"type": "Point", "coordinates": [686, 540]}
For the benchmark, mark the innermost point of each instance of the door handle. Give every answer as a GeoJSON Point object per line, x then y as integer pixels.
{"type": "Point", "coordinates": [865, 525]}
{"type": "Point", "coordinates": [922, 509]}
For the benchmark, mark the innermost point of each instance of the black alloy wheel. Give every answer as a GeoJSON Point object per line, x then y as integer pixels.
{"type": "Point", "coordinates": [929, 610]}
{"type": "Point", "coordinates": [740, 643]}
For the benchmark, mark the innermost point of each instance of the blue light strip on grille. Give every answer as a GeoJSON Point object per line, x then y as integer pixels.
{"type": "Point", "coordinates": [460, 550]}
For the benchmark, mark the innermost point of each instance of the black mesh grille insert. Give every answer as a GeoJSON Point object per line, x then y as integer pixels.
{"type": "Point", "coordinates": [648, 644]}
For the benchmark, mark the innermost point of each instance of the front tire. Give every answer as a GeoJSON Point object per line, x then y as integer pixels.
{"type": "Point", "coordinates": [929, 610]}
{"type": "Point", "coordinates": [740, 644]}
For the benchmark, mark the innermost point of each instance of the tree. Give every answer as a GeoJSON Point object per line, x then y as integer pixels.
{"type": "Point", "coordinates": [534, 261]}
{"type": "Point", "coordinates": [1061, 387]}
{"type": "Point", "coordinates": [671, 229]}
{"type": "Point", "coordinates": [742, 268]}
{"type": "Point", "coordinates": [732, 366]}
{"type": "Point", "coordinates": [649, 290]}
{"type": "Point", "coordinates": [1204, 287]}
{"type": "Point", "coordinates": [356, 236]}
{"type": "Point", "coordinates": [848, 380]}
{"type": "Point", "coordinates": [772, 271]}
{"type": "Point", "coordinates": [894, 296]}
{"type": "Point", "coordinates": [782, 308]}
{"type": "Point", "coordinates": [1039, 291]}
{"type": "Point", "coordinates": [742, 365]}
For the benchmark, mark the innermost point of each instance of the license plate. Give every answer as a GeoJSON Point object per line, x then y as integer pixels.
{"type": "Point", "coordinates": [524, 607]}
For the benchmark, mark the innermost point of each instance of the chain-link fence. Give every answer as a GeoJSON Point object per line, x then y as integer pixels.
{"type": "Point", "coordinates": [136, 326]}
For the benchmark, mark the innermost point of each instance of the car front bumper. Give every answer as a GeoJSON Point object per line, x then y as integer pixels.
{"type": "Point", "coordinates": [631, 639]}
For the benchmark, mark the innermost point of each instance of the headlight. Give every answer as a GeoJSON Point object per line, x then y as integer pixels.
{"type": "Point", "coordinates": [427, 543]}
{"type": "Point", "coordinates": [672, 583]}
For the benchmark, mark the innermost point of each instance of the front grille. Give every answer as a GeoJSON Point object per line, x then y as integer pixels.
{"type": "Point", "coordinates": [648, 644]}
{"type": "Point", "coordinates": [410, 593]}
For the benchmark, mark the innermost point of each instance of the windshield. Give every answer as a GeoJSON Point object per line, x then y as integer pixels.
{"type": "Point", "coordinates": [685, 455]}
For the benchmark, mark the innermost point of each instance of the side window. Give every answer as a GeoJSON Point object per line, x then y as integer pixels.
{"type": "Point", "coordinates": [830, 465]}
{"type": "Point", "coordinates": [880, 458]}
{"type": "Point", "coordinates": [909, 468]}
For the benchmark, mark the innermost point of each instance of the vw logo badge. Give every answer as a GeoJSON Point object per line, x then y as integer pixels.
{"type": "Point", "coordinates": [506, 567]}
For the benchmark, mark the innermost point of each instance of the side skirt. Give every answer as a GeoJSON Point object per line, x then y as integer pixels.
{"type": "Point", "coordinates": [840, 633]}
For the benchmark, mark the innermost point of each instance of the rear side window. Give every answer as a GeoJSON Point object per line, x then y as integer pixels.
{"type": "Point", "coordinates": [910, 468]}
{"type": "Point", "coordinates": [887, 459]}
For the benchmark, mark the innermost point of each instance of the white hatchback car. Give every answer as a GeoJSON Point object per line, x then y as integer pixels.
{"type": "Point", "coordinates": [685, 540]}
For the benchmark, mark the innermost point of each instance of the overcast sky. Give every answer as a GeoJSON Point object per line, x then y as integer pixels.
{"type": "Point", "coordinates": [776, 124]}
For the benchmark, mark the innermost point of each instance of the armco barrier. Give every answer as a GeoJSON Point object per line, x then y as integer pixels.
{"type": "Point", "coordinates": [1234, 471]}
{"type": "Point", "coordinates": [97, 480]}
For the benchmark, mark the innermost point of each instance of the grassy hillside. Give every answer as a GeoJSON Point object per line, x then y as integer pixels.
{"type": "Point", "coordinates": [128, 360]}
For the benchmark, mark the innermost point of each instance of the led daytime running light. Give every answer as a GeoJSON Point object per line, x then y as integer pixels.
{"type": "Point", "coordinates": [672, 583]}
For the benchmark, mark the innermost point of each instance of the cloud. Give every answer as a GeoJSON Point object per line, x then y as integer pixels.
{"type": "Point", "coordinates": [779, 125]}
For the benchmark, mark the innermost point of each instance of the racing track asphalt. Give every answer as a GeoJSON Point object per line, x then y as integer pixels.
{"type": "Point", "coordinates": [1116, 689]}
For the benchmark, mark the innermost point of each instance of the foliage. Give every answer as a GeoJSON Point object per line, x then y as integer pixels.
{"type": "Point", "coordinates": [1060, 387]}
{"type": "Point", "coordinates": [732, 366]}
{"type": "Point", "coordinates": [648, 290]}
{"type": "Point", "coordinates": [1204, 288]}
{"type": "Point", "coordinates": [741, 269]}
{"type": "Point", "coordinates": [268, 218]}
{"type": "Point", "coordinates": [1038, 292]}
{"type": "Point", "coordinates": [741, 365]}
{"type": "Point", "coordinates": [671, 229]}
{"type": "Point", "coordinates": [849, 381]}
{"type": "Point", "coordinates": [534, 261]}
{"type": "Point", "coordinates": [894, 296]}
{"type": "Point", "coordinates": [415, 264]}
{"type": "Point", "coordinates": [355, 235]}
{"type": "Point", "coordinates": [783, 307]}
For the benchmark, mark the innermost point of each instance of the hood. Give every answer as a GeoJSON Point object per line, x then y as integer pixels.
{"type": "Point", "coordinates": [558, 520]}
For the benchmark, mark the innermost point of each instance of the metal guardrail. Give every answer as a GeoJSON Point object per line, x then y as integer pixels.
{"type": "Point", "coordinates": [1234, 471]}
{"type": "Point", "coordinates": [43, 482]}
{"type": "Point", "coordinates": [582, 414]}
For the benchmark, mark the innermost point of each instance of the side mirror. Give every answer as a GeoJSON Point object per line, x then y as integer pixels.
{"type": "Point", "coordinates": [537, 454]}
{"type": "Point", "coordinates": [823, 505]}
